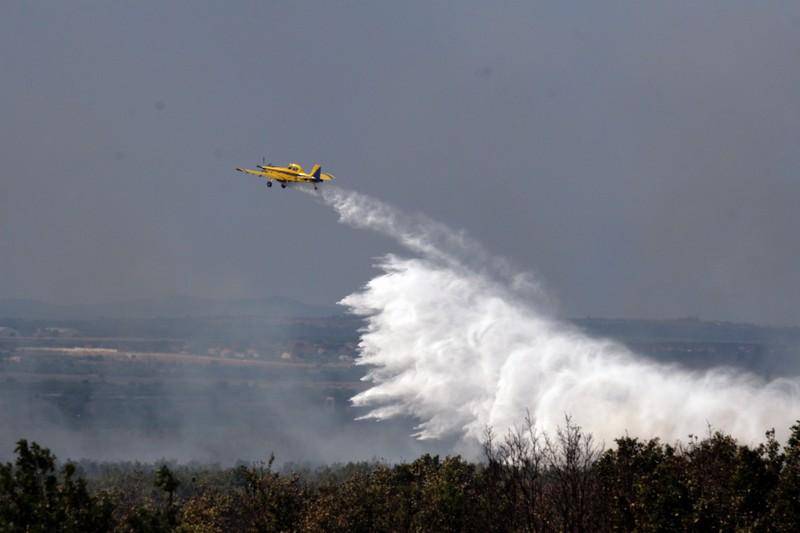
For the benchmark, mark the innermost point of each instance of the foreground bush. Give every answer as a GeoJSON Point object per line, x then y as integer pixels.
{"type": "Point", "coordinates": [34, 497]}
{"type": "Point", "coordinates": [526, 481]}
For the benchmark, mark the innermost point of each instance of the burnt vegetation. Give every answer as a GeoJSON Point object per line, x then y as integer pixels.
{"type": "Point", "coordinates": [524, 481]}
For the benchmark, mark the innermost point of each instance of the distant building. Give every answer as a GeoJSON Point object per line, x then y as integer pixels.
{"type": "Point", "coordinates": [57, 332]}
{"type": "Point", "coordinates": [226, 352]}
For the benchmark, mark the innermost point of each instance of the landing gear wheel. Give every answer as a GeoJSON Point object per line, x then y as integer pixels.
{"type": "Point", "coordinates": [269, 184]}
{"type": "Point", "coordinates": [283, 185]}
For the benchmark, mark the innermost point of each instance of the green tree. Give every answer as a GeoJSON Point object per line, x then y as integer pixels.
{"type": "Point", "coordinates": [786, 501]}
{"type": "Point", "coordinates": [643, 487]}
{"type": "Point", "coordinates": [166, 481]}
{"type": "Point", "coordinates": [35, 497]}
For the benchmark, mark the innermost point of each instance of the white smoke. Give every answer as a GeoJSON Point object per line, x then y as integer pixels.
{"type": "Point", "coordinates": [457, 340]}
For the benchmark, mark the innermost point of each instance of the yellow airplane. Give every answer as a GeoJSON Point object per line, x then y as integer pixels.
{"type": "Point", "coordinates": [291, 173]}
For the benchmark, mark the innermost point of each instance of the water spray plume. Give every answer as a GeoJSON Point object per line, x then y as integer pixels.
{"type": "Point", "coordinates": [458, 340]}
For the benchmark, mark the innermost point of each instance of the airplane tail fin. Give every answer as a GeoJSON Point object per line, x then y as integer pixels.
{"type": "Point", "coordinates": [316, 172]}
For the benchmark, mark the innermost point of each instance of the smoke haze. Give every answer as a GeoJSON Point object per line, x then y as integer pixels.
{"type": "Point", "coordinates": [456, 340]}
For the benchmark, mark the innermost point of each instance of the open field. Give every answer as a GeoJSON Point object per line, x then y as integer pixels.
{"type": "Point", "coordinates": [191, 387]}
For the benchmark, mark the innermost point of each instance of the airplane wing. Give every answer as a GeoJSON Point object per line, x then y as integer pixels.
{"type": "Point", "coordinates": [298, 178]}
{"type": "Point", "coordinates": [258, 173]}
{"type": "Point", "coordinates": [282, 177]}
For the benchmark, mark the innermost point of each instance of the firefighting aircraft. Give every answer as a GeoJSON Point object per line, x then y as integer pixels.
{"type": "Point", "coordinates": [291, 173]}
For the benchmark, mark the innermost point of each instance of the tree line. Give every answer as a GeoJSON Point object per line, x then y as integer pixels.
{"type": "Point", "coordinates": [525, 481]}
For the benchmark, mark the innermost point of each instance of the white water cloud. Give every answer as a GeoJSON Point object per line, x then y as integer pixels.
{"type": "Point", "coordinates": [458, 340]}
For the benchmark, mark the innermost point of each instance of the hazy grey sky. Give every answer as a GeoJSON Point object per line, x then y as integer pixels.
{"type": "Point", "coordinates": [642, 158]}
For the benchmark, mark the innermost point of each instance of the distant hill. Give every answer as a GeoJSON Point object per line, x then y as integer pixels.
{"type": "Point", "coordinates": [167, 307]}
{"type": "Point", "coordinates": [685, 329]}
